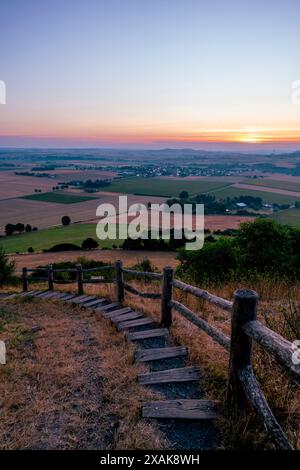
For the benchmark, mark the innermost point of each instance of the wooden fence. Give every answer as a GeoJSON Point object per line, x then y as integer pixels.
{"type": "Point", "coordinates": [242, 387]}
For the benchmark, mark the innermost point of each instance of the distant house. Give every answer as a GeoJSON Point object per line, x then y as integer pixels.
{"type": "Point", "coordinates": [241, 204]}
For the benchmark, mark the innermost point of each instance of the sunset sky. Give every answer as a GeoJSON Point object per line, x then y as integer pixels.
{"type": "Point", "coordinates": [139, 73]}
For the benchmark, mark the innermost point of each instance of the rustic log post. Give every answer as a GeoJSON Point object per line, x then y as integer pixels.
{"type": "Point", "coordinates": [166, 309]}
{"type": "Point", "coordinates": [244, 310]}
{"type": "Point", "coordinates": [25, 279]}
{"type": "Point", "coordinates": [119, 281]}
{"type": "Point", "coordinates": [50, 277]}
{"type": "Point", "coordinates": [79, 279]}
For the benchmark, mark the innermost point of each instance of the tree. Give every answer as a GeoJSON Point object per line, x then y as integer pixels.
{"type": "Point", "coordinates": [10, 229]}
{"type": "Point", "coordinates": [30, 249]}
{"type": "Point", "coordinates": [89, 244]}
{"type": "Point", "coordinates": [20, 227]}
{"type": "Point", "coordinates": [184, 195]}
{"type": "Point", "coordinates": [28, 228]}
{"type": "Point", "coordinates": [65, 220]}
{"type": "Point", "coordinates": [6, 268]}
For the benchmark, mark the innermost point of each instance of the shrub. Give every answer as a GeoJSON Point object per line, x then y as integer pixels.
{"type": "Point", "coordinates": [65, 220]}
{"type": "Point", "coordinates": [217, 261]}
{"type": "Point", "coordinates": [6, 268]}
{"type": "Point", "coordinates": [30, 249]}
{"type": "Point", "coordinates": [89, 244]}
{"type": "Point", "coordinates": [63, 247]}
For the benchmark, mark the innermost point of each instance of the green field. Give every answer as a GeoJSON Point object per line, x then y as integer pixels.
{"type": "Point", "coordinates": [286, 185]}
{"type": "Point", "coordinates": [288, 217]}
{"type": "Point", "coordinates": [269, 198]}
{"type": "Point", "coordinates": [172, 188]}
{"type": "Point", "coordinates": [59, 198]}
{"type": "Point", "coordinates": [44, 239]}
{"type": "Point", "coordinates": [163, 187]}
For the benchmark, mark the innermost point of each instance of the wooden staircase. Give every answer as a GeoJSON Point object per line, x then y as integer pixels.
{"type": "Point", "coordinates": [140, 328]}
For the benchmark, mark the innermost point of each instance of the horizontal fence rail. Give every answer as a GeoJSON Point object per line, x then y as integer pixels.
{"type": "Point", "coordinates": [213, 332]}
{"type": "Point", "coordinates": [242, 387]}
{"type": "Point", "coordinates": [146, 295]}
{"type": "Point", "coordinates": [203, 294]}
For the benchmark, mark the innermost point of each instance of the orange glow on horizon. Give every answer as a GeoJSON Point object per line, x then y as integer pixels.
{"type": "Point", "coordinates": [144, 135]}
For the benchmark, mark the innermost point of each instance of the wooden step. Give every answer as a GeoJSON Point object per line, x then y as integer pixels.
{"type": "Point", "coordinates": [184, 374]}
{"type": "Point", "coordinates": [10, 296]}
{"type": "Point", "coordinates": [83, 300]}
{"type": "Point", "coordinates": [47, 293]}
{"type": "Point", "coordinates": [154, 354]}
{"type": "Point", "coordinates": [126, 316]}
{"type": "Point", "coordinates": [31, 293]}
{"type": "Point", "coordinates": [94, 303]}
{"type": "Point", "coordinates": [108, 307]}
{"type": "Point", "coordinates": [37, 293]}
{"type": "Point", "coordinates": [180, 409]}
{"type": "Point", "coordinates": [147, 334]}
{"type": "Point", "coordinates": [67, 297]}
{"type": "Point", "coordinates": [123, 325]}
{"type": "Point", "coordinates": [62, 296]}
{"type": "Point", "coordinates": [120, 311]}
{"type": "Point", "coordinates": [27, 293]}
{"type": "Point", "coordinates": [78, 297]}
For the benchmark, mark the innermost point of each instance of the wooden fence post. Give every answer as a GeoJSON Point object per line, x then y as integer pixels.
{"type": "Point", "coordinates": [119, 281]}
{"type": "Point", "coordinates": [166, 310]}
{"type": "Point", "coordinates": [79, 279]}
{"type": "Point", "coordinates": [244, 310]}
{"type": "Point", "coordinates": [25, 279]}
{"type": "Point", "coordinates": [50, 277]}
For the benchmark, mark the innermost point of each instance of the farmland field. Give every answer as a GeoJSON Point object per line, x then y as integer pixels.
{"type": "Point", "coordinates": [172, 187]}
{"type": "Point", "coordinates": [164, 187]}
{"type": "Point", "coordinates": [288, 217]}
{"type": "Point", "coordinates": [267, 197]}
{"type": "Point", "coordinates": [49, 214]}
{"type": "Point", "coordinates": [277, 184]}
{"type": "Point", "coordinates": [12, 186]}
{"type": "Point", "coordinates": [58, 197]}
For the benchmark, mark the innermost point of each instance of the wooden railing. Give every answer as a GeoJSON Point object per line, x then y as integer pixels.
{"type": "Point", "coordinates": [242, 386]}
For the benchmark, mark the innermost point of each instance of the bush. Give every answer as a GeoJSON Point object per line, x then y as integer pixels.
{"type": "Point", "coordinates": [63, 247]}
{"type": "Point", "coordinates": [217, 261]}
{"type": "Point", "coordinates": [260, 248]}
{"type": "Point", "coordinates": [30, 249]}
{"type": "Point", "coordinates": [65, 220]}
{"type": "Point", "coordinates": [89, 244]}
{"type": "Point", "coordinates": [6, 268]}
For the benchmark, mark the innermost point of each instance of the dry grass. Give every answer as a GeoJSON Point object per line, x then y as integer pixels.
{"type": "Point", "coordinates": [69, 382]}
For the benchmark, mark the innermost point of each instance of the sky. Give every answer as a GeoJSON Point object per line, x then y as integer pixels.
{"type": "Point", "coordinates": [139, 73]}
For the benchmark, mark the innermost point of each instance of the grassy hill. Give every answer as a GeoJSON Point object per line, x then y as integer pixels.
{"type": "Point", "coordinates": [45, 239]}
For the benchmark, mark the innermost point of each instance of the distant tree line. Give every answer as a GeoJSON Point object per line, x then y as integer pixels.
{"type": "Point", "coordinates": [10, 229]}
{"type": "Point", "coordinates": [212, 205]}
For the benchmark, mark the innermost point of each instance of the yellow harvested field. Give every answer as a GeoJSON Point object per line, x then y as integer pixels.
{"type": "Point", "coordinates": [12, 186]}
